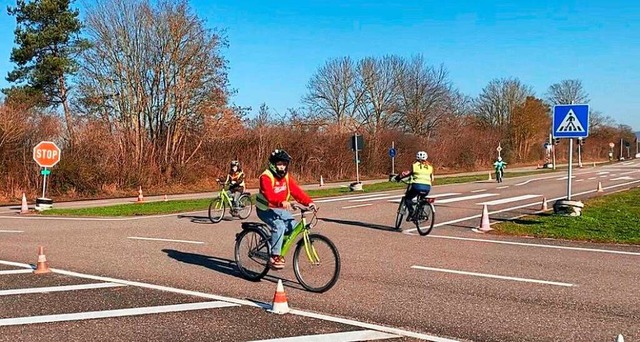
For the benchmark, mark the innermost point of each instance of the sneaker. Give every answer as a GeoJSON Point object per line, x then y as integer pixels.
{"type": "Point", "coordinates": [410, 217]}
{"type": "Point", "coordinates": [276, 262]}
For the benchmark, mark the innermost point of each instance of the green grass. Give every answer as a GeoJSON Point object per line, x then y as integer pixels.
{"type": "Point", "coordinates": [181, 206]}
{"type": "Point", "coordinates": [613, 218]}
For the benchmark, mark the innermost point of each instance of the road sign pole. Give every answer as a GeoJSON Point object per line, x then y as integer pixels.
{"type": "Point", "coordinates": [44, 183]}
{"type": "Point", "coordinates": [393, 159]}
{"type": "Point", "coordinates": [580, 154]}
{"type": "Point", "coordinates": [570, 166]}
{"type": "Point", "coordinates": [355, 144]}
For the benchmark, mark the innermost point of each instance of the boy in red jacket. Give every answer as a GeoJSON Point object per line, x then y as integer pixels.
{"type": "Point", "coordinates": [272, 202]}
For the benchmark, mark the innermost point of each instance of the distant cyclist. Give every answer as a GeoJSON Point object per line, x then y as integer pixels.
{"type": "Point", "coordinates": [235, 181]}
{"type": "Point", "coordinates": [421, 180]}
{"type": "Point", "coordinates": [499, 165]}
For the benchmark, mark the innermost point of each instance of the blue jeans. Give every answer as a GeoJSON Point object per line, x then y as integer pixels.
{"type": "Point", "coordinates": [280, 221]}
{"type": "Point", "coordinates": [413, 191]}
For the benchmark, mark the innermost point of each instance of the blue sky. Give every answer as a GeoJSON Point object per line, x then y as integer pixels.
{"type": "Point", "coordinates": [275, 46]}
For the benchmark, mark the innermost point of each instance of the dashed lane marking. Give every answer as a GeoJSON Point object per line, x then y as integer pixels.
{"type": "Point", "coordinates": [485, 275]}
{"type": "Point", "coordinates": [167, 240]}
{"type": "Point", "coordinates": [508, 200]}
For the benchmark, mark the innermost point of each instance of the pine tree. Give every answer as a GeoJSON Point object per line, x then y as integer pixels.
{"type": "Point", "coordinates": [47, 38]}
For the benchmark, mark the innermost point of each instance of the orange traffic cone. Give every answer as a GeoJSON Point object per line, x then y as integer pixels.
{"type": "Point", "coordinates": [321, 181]}
{"type": "Point", "coordinates": [280, 305]}
{"type": "Point", "coordinates": [24, 209]}
{"type": "Point", "coordinates": [544, 204]}
{"type": "Point", "coordinates": [41, 267]}
{"type": "Point", "coordinates": [485, 225]}
{"type": "Point", "coordinates": [140, 197]}
{"type": "Point", "coordinates": [600, 187]}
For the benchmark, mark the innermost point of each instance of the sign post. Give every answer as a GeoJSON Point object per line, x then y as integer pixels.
{"type": "Point", "coordinates": [392, 154]}
{"type": "Point", "coordinates": [357, 143]}
{"type": "Point", "coordinates": [570, 121]}
{"type": "Point", "coordinates": [499, 149]}
{"type": "Point", "coordinates": [46, 154]}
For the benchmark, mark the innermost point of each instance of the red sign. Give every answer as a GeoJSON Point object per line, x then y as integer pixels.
{"type": "Point", "coordinates": [46, 154]}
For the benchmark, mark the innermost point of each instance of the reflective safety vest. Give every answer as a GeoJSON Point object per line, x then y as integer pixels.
{"type": "Point", "coordinates": [421, 173]}
{"type": "Point", "coordinates": [234, 177]}
{"type": "Point", "coordinates": [261, 201]}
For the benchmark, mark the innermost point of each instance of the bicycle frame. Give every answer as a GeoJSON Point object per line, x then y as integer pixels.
{"type": "Point", "coordinates": [300, 228]}
{"type": "Point", "coordinates": [225, 196]}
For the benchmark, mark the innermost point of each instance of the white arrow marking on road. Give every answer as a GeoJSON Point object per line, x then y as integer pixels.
{"type": "Point", "coordinates": [622, 178]}
{"type": "Point", "coordinates": [508, 200]}
{"type": "Point", "coordinates": [494, 276]}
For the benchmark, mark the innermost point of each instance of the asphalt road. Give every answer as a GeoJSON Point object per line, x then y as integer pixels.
{"type": "Point", "coordinates": [454, 284]}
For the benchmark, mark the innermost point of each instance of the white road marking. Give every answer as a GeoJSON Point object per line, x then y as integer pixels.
{"type": "Point", "coordinates": [357, 206]}
{"type": "Point", "coordinates": [581, 249]}
{"type": "Point", "coordinates": [604, 176]}
{"type": "Point", "coordinates": [565, 178]}
{"type": "Point", "coordinates": [114, 313]}
{"type": "Point", "coordinates": [7, 272]}
{"type": "Point", "coordinates": [408, 231]}
{"type": "Point", "coordinates": [168, 240]}
{"type": "Point", "coordinates": [376, 198]}
{"type": "Point", "coordinates": [479, 190]}
{"type": "Point", "coordinates": [592, 178]}
{"type": "Point", "coordinates": [630, 172]}
{"type": "Point", "coordinates": [502, 187]}
{"type": "Point", "coordinates": [346, 198]}
{"type": "Point", "coordinates": [508, 200]}
{"type": "Point", "coordinates": [464, 198]}
{"type": "Point", "coordinates": [58, 288]}
{"type": "Point", "coordinates": [580, 180]}
{"type": "Point", "coordinates": [433, 196]}
{"type": "Point", "coordinates": [362, 335]}
{"type": "Point", "coordinates": [622, 178]}
{"type": "Point", "coordinates": [485, 275]}
{"type": "Point", "coordinates": [244, 302]}
{"type": "Point", "coordinates": [11, 231]}
{"type": "Point", "coordinates": [602, 173]}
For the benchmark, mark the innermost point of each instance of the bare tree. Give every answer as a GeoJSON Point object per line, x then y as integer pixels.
{"type": "Point", "coordinates": [567, 92]}
{"type": "Point", "coordinates": [495, 105]}
{"type": "Point", "coordinates": [156, 74]}
{"type": "Point", "coordinates": [426, 96]}
{"type": "Point", "coordinates": [379, 83]}
{"type": "Point", "coordinates": [332, 91]}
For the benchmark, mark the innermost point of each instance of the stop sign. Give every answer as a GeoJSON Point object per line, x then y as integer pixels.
{"type": "Point", "coordinates": [46, 154]}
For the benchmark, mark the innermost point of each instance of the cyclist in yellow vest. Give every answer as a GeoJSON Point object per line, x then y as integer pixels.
{"type": "Point", "coordinates": [277, 187]}
{"type": "Point", "coordinates": [421, 180]}
{"type": "Point", "coordinates": [235, 181]}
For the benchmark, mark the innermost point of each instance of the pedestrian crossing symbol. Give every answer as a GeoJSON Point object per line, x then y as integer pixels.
{"type": "Point", "coordinates": [571, 121]}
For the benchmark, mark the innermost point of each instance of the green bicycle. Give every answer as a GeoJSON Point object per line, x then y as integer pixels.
{"type": "Point", "coordinates": [223, 202]}
{"type": "Point", "coordinates": [316, 262]}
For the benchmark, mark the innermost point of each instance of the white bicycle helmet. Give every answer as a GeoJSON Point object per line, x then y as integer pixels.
{"type": "Point", "coordinates": [422, 156]}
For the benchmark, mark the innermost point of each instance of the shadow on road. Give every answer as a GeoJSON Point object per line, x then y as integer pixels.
{"type": "Point", "coordinates": [222, 265]}
{"type": "Point", "coordinates": [203, 219]}
{"type": "Point", "coordinates": [360, 224]}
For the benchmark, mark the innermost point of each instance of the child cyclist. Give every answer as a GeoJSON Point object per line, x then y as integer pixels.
{"type": "Point", "coordinates": [277, 187]}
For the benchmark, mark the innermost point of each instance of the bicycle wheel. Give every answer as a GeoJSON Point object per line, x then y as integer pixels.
{"type": "Point", "coordinates": [318, 267]}
{"type": "Point", "coordinates": [245, 207]}
{"type": "Point", "coordinates": [425, 218]}
{"type": "Point", "coordinates": [216, 210]}
{"type": "Point", "coordinates": [252, 254]}
{"type": "Point", "coordinates": [400, 215]}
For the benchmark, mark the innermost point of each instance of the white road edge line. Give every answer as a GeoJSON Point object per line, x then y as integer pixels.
{"type": "Point", "coordinates": [479, 190]}
{"type": "Point", "coordinates": [114, 313]}
{"type": "Point", "coordinates": [484, 275]}
{"type": "Point", "coordinates": [508, 200]}
{"type": "Point", "coordinates": [11, 231]}
{"type": "Point", "coordinates": [357, 206]}
{"type": "Point", "coordinates": [58, 288]}
{"type": "Point", "coordinates": [364, 325]}
{"type": "Point", "coordinates": [168, 240]}
{"type": "Point", "coordinates": [8, 272]}
{"type": "Point", "coordinates": [362, 335]}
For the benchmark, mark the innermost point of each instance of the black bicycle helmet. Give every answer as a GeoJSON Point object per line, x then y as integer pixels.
{"type": "Point", "coordinates": [279, 156]}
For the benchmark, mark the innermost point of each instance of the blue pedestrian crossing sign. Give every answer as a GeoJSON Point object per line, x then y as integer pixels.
{"type": "Point", "coordinates": [392, 152]}
{"type": "Point", "coordinates": [571, 121]}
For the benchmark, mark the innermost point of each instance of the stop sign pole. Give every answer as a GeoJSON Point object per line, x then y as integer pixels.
{"type": "Point", "coordinates": [46, 154]}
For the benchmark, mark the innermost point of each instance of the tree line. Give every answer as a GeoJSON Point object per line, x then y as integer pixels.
{"type": "Point", "coordinates": [138, 95]}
